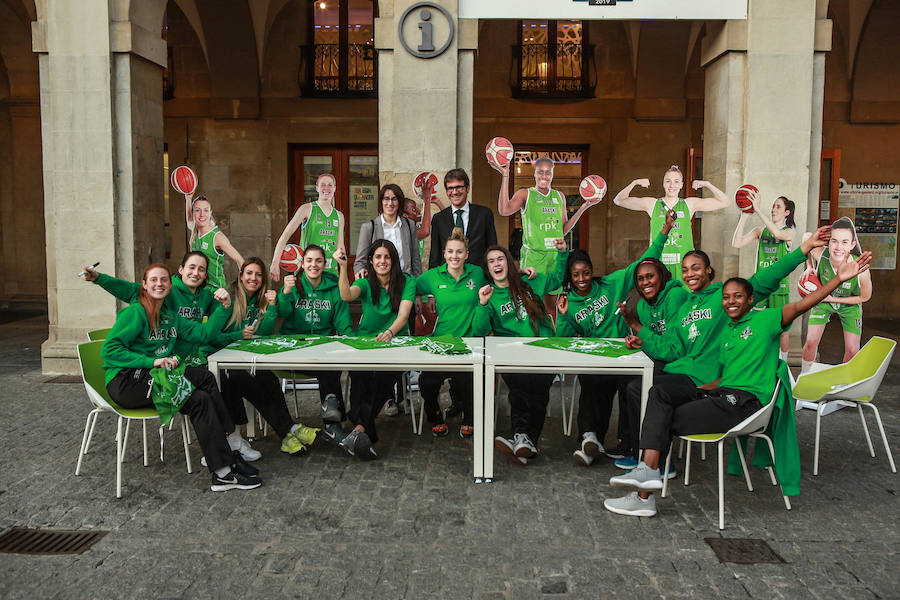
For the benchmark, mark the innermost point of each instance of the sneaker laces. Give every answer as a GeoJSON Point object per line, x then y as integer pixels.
{"type": "Point", "coordinates": [521, 438]}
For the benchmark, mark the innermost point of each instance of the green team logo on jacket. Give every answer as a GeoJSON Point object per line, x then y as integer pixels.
{"type": "Point", "coordinates": [165, 332]}
{"type": "Point", "coordinates": [696, 315]}
{"type": "Point", "coordinates": [190, 312]}
{"type": "Point", "coordinates": [592, 309]}
{"type": "Point", "coordinates": [520, 312]}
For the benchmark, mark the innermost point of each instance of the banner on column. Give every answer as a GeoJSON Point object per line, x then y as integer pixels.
{"type": "Point", "coordinates": [873, 209]}
{"type": "Point", "coordinates": [603, 9]}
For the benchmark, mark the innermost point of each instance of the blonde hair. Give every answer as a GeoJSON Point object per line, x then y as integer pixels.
{"type": "Point", "coordinates": [239, 298]}
{"type": "Point", "coordinates": [457, 235]}
{"type": "Point", "coordinates": [674, 169]}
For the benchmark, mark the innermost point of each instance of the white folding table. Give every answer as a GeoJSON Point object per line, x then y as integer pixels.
{"type": "Point", "coordinates": [336, 356]}
{"type": "Point", "coordinates": [514, 355]}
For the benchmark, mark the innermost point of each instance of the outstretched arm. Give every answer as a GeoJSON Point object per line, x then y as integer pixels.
{"type": "Point", "coordinates": [865, 292]}
{"type": "Point", "coordinates": [847, 270]}
{"type": "Point", "coordinates": [225, 246]}
{"type": "Point", "coordinates": [505, 205]}
{"type": "Point", "coordinates": [348, 292]}
{"type": "Point", "coordinates": [719, 199]}
{"type": "Point", "coordinates": [625, 200]}
{"type": "Point", "coordinates": [188, 212]}
{"type": "Point", "coordinates": [571, 221]}
{"type": "Point", "coordinates": [740, 239]}
{"type": "Point", "coordinates": [299, 217]}
{"type": "Point", "coordinates": [784, 235]}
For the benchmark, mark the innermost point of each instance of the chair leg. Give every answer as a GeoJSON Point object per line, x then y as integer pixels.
{"type": "Point", "coordinates": [185, 424]}
{"type": "Point", "coordinates": [721, 448]}
{"type": "Point", "coordinates": [740, 449]}
{"type": "Point", "coordinates": [296, 402]}
{"type": "Point", "coordinates": [575, 384]}
{"type": "Point", "coordinates": [404, 384]}
{"type": "Point", "coordinates": [665, 489]}
{"type": "Point", "coordinates": [887, 448]}
{"type": "Point", "coordinates": [702, 451]}
{"type": "Point", "coordinates": [687, 463]}
{"type": "Point", "coordinates": [862, 418]}
{"type": "Point", "coordinates": [818, 434]}
{"type": "Point", "coordinates": [421, 413]}
{"type": "Point", "coordinates": [144, 432]}
{"type": "Point", "coordinates": [787, 501]}
{"type": "Point", "coordinates": [90, 437]}
{"type": "Point", "coordinates": [120, 451]}
{"type": "Point", "coordinates": [680, 449]}
{"type": "Point", "coordinates": [84, 439]}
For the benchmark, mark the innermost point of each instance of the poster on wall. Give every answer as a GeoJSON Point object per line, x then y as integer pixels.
{"type": "Point", "coordinates": [873, 208]}
{"type": "Point", "coordinates": [363, 207]}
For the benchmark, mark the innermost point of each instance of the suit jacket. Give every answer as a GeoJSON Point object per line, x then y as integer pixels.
{"type": "Point", "coordinates": [480, 234]}
{"type": "Point", "coordinates": [373, 230]}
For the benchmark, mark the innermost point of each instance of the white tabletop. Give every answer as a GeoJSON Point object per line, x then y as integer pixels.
{"type": "Point", "coordinates": [515, 351]}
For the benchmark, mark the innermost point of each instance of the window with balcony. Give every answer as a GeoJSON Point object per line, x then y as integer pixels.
{"type": "Point", "coordinates": [551, 59]}
{"type": "Point", "coordinates": [341, 59]}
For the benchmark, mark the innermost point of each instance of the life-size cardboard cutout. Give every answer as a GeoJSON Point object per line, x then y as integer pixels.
{"type": "Point", "coordinates": [206, 237]}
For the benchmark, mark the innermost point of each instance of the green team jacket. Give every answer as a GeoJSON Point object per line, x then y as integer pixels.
{"type": "Point", "coordinates": [320, 311]}
{"type": "Point", "coordinates": [594, 315]}
{"type": "Point", "coordinates": [223, 335]}
{"type": "Point", "coordinates": [191, 305]}
{"type": "Point", "coordinates": [456, 301]}
{"type": "Point", "coordinates": [131, 345]}
{"type": "Point", "coordinates": [660, 315]}
{"type": "Point", "coordinates": [691, 346]}
{"type": "Point", "coordinates": [502, 316]}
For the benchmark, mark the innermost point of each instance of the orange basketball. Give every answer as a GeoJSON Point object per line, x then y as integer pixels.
{"type": "Point", "coordinates": [291, 258]}
{"type": "Point", "coordinates": [742, 197]}
{"type": "Point", "coordinates": [809, 282]}
{"type": "Point", "coordinates": [499, 152]}
{"type": "Point", "coordinates": [592, 188]}
{"type": "Point", "coordinates": [184, 180]}
{"type": "Point", "coordinates": [423, 180]}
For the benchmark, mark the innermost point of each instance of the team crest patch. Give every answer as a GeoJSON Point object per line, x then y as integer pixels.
{"type": "Point", "coordinates": [746, 333]}
{"type": "Point", "coordinates": [693, 332]}
{"type": "Point", "coordinates": [470, 284]}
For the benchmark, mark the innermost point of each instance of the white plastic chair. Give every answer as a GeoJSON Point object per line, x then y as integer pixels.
{"type": "Point", "coordinates": [853, 383]}
{"type": "Point", "coordinates": [753, 426]}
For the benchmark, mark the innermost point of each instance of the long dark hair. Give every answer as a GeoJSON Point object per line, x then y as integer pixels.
{"type": "Point", "coordinates": [578, 255]}
{"type": "Point", "coordinates": [789, 207]}
{"type": "Point", "coordinates": [199, 254]}
{"type": "Point", "coordinates": [661, 271]}
{"type": "Point", "coordinates": [313, 248]}
{"type": "Point", "coordinates": [397, 281]}
{"type": "Point", "coordinates": [520, 292]}
{"type": "Point", "coordinates": [704, 257]}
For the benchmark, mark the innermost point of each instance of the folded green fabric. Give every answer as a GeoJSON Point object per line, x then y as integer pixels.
{"type": "Point", "coordinates": [277, 343]}
{"type": "Point", "coordinates": [369, 343]}
{"type": "Point", "coordinates": [608, 347]}
{"type": "Point", "coordinates": [445, 344]}
{"type": "Point", "coordinates": [169, 391]}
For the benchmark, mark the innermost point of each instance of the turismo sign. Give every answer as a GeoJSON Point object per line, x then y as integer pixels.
{"type": "Point", "coordinates": [603, 9]}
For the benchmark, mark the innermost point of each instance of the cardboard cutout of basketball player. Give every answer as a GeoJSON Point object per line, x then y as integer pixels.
{"type": "Point", "coordinates": [846, 301]}
{"type": "Point", "coordinates": [544, 215]}
{"type": "Point", "coordinates": [206, 237]}
{"type": "Point", "coordinates": [425, 188]}
{"type": "Point", "coordinates": [681, 239]}
{"type": "Point", "coordinates": [320, 223]}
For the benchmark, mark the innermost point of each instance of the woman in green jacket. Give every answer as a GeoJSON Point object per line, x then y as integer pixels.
{"type": "Point", "coordinates": [248, 316]}
{"type": "Point", "coordinates": [311, 304]}
{"type": "Point", "coordinates": [747, 359]}
{"type": "Point", "coordinates": [512, 306]}
{"type": "Point", "coordinates": [386, 295]}
{"type": "Point", "coordinates": [454, 287]}
{"type": "Point", "coordinates": [144, 338]}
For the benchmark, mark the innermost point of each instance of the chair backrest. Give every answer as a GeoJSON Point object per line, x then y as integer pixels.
{"type": "Point", "coordinates": [859, 378]}
{"type": "Point", "coordinates": [98, 334]}
{"type": "Point", "coordinates": [758, 420]}
{"type": "Point", "coordinates": [93, 374]}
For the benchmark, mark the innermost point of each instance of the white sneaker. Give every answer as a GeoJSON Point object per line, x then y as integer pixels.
{"type": "Point", "coordinates": [413, 378]}
{"type": "Point", "coordinates": [641, 478]}
{"type": "Point", "coordinates": [582, 458]}
{"type": "Point", "coordinates": [390, 409]}
{"type": "Point", "coordinates": [590, 445]}
{"type": "Point", "coordinates": [524, 447]}
{"type": "Point", "coordinates": [247, 452]}
{"type": "Point", "coordinates": [632, 505]}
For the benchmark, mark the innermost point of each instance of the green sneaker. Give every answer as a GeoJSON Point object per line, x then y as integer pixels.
{"type": "Point", "coordinates": [307, 435]}
{"type": "Point", "coordinates": [291, 444]}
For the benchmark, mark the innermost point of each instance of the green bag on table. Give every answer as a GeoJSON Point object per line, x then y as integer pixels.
{"type": "Point", "coordinates": [369, 343]}
{"type": "Point", "coordinates": [445, 344]}
{"type": "Point", "coordinates": [170, 390]}
{"type": "Point", "coordinates": [277, 343]}
{"type": "Point", "coordinates": [608, 347]}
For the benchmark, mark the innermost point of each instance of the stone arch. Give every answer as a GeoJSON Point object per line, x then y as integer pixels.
{"type": "Point", "coordinates": [875, 65]}
{"type": "Point", "coordinates": [21, 64]}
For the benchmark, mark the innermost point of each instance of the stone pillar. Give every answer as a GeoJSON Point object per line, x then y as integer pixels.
{"type": "Point", "coordinates": [101, 125]}
{"type": "Point", "coordinates": [762, 124]}
{"type": "Point", "coordinates": [424, 104]}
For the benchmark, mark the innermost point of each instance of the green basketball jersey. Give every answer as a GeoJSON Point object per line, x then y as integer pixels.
{"type": "Point", "coordinates": [215, 272]}
{"type": "Point", "coordinates": [323, 231]}
{"type": "Point", "coordinates": [825, 272]}
{"type": "Point", "coordinates": [770, 250]}
{"type": "Point", "coordinates": [542, 222]}
{"type": "Point", "coordinates": [681, 238]}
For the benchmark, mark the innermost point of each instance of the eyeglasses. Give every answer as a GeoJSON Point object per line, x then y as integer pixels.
{"type": "Point", "coordinates": [456, 188]}
{"type": "Point", "coordinates": [391, 199]}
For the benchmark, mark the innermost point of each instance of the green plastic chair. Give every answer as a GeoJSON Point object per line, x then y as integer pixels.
{"type": "Point", "coordinates": [753, 426]}
{"type": "Point", "coordinates": [94, 383]}
{"type": "Point", "coordinates": [98, 334]}
{"type": "Point", "coordinates": [853, 383]}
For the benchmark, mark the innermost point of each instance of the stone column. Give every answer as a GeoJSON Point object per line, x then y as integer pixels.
{"type": "Point", "coordinates": [762, 124]}
{"type": "Point", "coordinates": [424, 104]}
{"type": "Point", "coordinates": [101, 125]}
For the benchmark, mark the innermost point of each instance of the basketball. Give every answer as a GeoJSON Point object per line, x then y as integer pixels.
{"type": "Point", "coordinates": [592, 188]}
{"type": "Point", "coordinates": [499, 152]}
{"type": "Point", "coordinates": [291, 258]}
{"type": "Point", "coordinates": [742, 197]}
{"type": "Point", "coordinates": [809, 282]}
{"type": "Point", "coordinates": [423, 180]}
{"type": "Point", "coordinates": [184, 180]}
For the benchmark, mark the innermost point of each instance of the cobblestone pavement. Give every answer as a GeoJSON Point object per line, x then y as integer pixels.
{"type": "Point", "coordinates": [413, 524]}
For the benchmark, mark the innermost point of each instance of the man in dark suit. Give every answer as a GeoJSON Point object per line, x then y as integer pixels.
{"type": "Point", "coordinates": [477, 222]}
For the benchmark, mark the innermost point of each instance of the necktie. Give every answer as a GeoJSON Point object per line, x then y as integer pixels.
{"type": "Point", "coordinates": [459, 221]}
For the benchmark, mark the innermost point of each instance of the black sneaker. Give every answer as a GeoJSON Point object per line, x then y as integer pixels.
{"type": "Point", "coordinates": [620, 451]}
{"type": "Point", "coordinates": [363, 447]}
{"type": "Point", "coordinates": [234, 481]}
{"type": "Point", "coordinates": [453, 411]}
{"type": "Point", "coordinates": [242, 466]}
{"type": "Point", "coordinates": [331, 410]}
{"type": "Point", "coordinates": [334, 433]}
